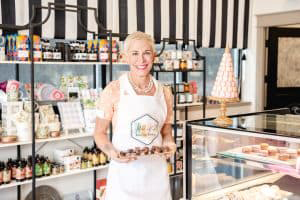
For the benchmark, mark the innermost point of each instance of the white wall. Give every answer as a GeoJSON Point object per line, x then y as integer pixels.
{"type": "Point", "coordinates": [253, 84]}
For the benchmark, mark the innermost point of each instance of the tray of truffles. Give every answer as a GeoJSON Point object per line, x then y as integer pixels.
{"type": "Point", "coordinates": [265, 153]}
{"type": "Point", "coordinates": [144, 151]}
{"type": "Point", "coordinates": [265, 191]}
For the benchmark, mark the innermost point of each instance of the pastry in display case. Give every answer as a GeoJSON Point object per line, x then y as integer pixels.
{"type": "Point", "coordinates": [257, 157]}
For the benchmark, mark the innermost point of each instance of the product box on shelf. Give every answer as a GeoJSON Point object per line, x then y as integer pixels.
{"type": "Point", "coordinates": [9, 110]}
{"type": "Point", "coordinates": [100, 189]}
{"type": "Point", "coordinates": [59, 154]}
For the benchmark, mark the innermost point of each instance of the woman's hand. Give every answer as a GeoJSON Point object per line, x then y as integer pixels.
{"type": "Point", "coordinates": [172, 149]}
{"type": "Point", "coordinates": [115, 155]}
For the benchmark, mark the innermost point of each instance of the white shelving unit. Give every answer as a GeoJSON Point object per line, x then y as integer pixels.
{"type": "Point", "coordinates": [63, 137]}
{"type": "Point", "coordinates": [61, 63]}
{"type": "Point", "coordinates": [73, 172]}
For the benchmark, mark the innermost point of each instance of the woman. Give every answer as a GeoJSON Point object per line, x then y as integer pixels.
{"type": "Point", "coordinates": [140, 109]}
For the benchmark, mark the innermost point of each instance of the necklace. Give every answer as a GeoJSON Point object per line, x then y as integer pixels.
{"type": "Point", "coordinates": [136, 88]}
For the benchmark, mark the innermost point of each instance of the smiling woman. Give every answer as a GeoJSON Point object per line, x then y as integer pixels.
{"type": "Point", "coordinates": [140, 109]}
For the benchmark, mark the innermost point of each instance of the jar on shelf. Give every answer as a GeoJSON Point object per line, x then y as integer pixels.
{"type": "Point", "coordinates": [181, 98]}
{"type": "Point", "coordinates": [186, 87]}
{"type": "Point", "coordinates": [55, 170]}
{"type": "Point", "coordinates": [168, 65]}
{"type": "Point", "coordinates": [179, 54]}
{"type": "Point", "coordinates": [187, 55]}
{"type": "Point", "coordinates": [190, 64]}
{"type": "Point", "coordinates": [61, 169]}
{"type": "Point", "coordinates": [188, 98]}
{"type": "Point", "coordinates": [180, 87]}
{"type": "Point", "coordinates": [176, 65]}
{"type": "Point", "coordinates": [183, 65]}
{"type": "Point", "coordinates": [173, 55]}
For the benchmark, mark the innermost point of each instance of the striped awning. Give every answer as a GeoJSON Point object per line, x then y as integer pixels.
{"type": "Point", "coordinates": [212, 23]}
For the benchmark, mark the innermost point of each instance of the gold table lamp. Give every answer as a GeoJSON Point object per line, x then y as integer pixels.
{"type": "Point", "coordinates": [225, 88]}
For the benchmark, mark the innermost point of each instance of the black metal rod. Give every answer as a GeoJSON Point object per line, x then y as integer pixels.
{"type": "Point", "coordinates": [19, 157]}
{"type": "Point", "coordinates": [188, 163]}
{"type": "Point", "coordinates": [32, 110]}
{"type": "Point", "coordinates": [95, 183]}
{"type": "Point", "coordinates": [94, 76]}
{"type": "Point", "coordinates": [175, 118]}
{"type": "Point", "coordinates": [204, 88]}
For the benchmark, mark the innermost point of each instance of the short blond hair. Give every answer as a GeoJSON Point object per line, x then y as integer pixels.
{"type": "Point", "coordinates": [138, 35]}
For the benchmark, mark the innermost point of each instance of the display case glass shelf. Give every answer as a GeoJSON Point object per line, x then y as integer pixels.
{"type": "Point", "coordinates": [257, 156]}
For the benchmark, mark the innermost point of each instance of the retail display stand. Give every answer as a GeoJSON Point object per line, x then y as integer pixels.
{"type": "Point", "coordinates": [176, 106]}
{"type": "Point", "coordinates": [30, 26]}
{"type": "Point", "coordinates": [225, 88]}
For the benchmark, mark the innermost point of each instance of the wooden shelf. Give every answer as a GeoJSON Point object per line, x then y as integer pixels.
{"type": "Point", "coordinates": [73, 172]}
{"type": "Point", "coordinates": [63, 137]}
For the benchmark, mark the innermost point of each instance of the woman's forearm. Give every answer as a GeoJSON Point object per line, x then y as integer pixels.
{"type": "Point", "coordinates": [101, 137]}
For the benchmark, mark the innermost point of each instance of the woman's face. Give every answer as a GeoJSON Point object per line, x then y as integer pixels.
{"type": "Point", "coordinates": [140, 57]}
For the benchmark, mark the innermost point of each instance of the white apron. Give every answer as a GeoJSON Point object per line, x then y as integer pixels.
{"type": "Point", "coordinates": [139, 121]}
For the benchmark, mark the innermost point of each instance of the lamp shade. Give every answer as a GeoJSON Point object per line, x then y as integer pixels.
{"type": "Point", "coordinates": [225, 86]}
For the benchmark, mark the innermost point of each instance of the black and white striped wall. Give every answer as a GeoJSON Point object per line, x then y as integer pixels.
{"type": "Point", "coordinates": [212, 23]}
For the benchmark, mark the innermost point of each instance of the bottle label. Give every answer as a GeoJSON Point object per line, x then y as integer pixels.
{"type": "Point", "coordinates": [23, 54]}
{"type": "Point", "coordinates": [6, 176]}
{"type": "Point", "coordinates": [103, 56]}
{"type": "Point", "coordinates": [1, 177]}
{"type": "Point", "coordinates": [114, 56]}
{"type": "Point", "coordinates": [19, 173]}
{"type": "Point", "coordinates": [28, 172]}
{"type": "Point", "coordinates": [83, 56]}
{"type": "Point", "coordinates": [93, 56]}
{"type": "Point", "coordinates": [57, 55]}
{"type": "Point", "coordinates": [37, 54]}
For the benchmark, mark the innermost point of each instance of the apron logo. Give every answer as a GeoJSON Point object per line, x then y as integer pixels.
{"type": "Point", "coordinates": [144, 129]}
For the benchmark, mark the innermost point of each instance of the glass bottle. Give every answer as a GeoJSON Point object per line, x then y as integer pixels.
{"type": "Point", "coordinates": [47, 167]}
{"type": "Point", "coordinates": [95, 158]}
{"type": "Point", "coordinates": [1, 172]}
{"type": "Point", "coordinates": [102, 158]}
{"type": "Point", "coordinates": [38, 168]}
{"type": "Point", "coordinates": [90, 155]}
{"type": "Point", "coordinates": [85, 152]}
{"type": "Point", "coordinates": [28, 170]}
{"type": "Point", "coordinates": [6, 174]}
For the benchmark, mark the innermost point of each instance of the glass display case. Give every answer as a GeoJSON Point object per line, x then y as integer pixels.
{"type": "Point", "coordinates": [257, 158]}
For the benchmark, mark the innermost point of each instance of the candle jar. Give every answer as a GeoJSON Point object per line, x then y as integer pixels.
{"type": "Point", "coordinates": [168, 65]}
{"type": "Point", "coordinates": [179, 54]}
{"type": "Point", "coordinates": [189, 98]}
{"type": "Point", "coordinates": [181, 98]}
{"type": "Point", "coordinates": [55, 169]}
{"type": "Point", "coordinates": [176, 65]}
{"type": "Point", "coordinates": [189, 64]}
{"type": "Point", "coordinates": [61, 169]}
{"type": "Point", "coordinates": [183, 65]}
